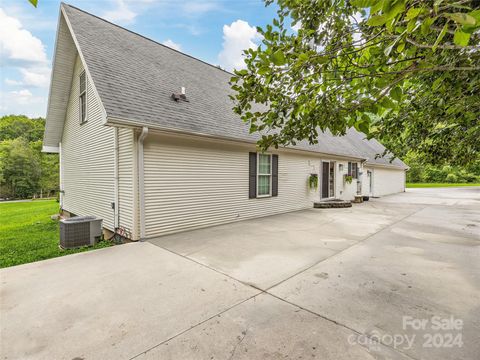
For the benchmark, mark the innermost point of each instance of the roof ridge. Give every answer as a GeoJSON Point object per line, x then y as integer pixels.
{"type": "Point", "coordinates": [147, 38]}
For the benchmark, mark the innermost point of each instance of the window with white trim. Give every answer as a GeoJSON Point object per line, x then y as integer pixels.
{"type": "Point", "coordinates": [264, 175]}
{"type": "Point", "coordinates": [83, 98]}
{"type": "Point", "coordinates": [353, 170]}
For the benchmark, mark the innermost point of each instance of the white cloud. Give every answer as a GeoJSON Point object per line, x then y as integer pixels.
{"type": "Point", "coordinates": [22, 96]}
{"type": "Point", "coordinates": [193, 29]}
{"type": "Point", "coordinates": [121, 14]}
{"type": "Point", "coordinates": [237, 37]}
{"type": "Point", "coordinates": [13, 82]}
{"type": "Point", "coordinates": [196, 8]}
{"type": "Point", "coordinates": [23, 51]}
{"type": "Point", "coordinates": [22, 102]}
{"type": "Point", "coordinates": [37, 76]}
{"type": "Point", "coordinates": [17, 43]}
{"type": "Point", "coordinates": [171, 44]}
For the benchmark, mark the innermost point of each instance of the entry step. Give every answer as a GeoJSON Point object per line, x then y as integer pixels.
{"type": "Point", "coordinates": [331, 204]}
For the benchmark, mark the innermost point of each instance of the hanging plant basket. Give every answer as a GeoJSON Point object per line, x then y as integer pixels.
{"type": "Point", "coordinates": [313, 181]}
{"type": "Point", "coordinates": [347, 179]}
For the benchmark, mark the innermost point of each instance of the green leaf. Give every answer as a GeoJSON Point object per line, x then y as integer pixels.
{"type": "Point", "coordinates": [323, 59]}
{"type": "Point", "coordinates": [377, 20]}
{"type": "Point", "coordinates": [412, 13]}
{"type": "Point", "coordinates": [472, 28]}
{"type": "Point", "coordinates": [278, 58]}
{"type": "Point", "coordinates": [461, 38]}
{"type": "Point", "coordinates": [426, 24]}
{"type": "Point", "coordinates": [387, 103]}
{"type": "Point", "coordinates": [396, 93]}
{"type": "Point", "coordinates": [364, 127]}
{"type": "Point", "coordinates": [401, 47]}
{"type": "Point", "coordinates": [397, 8]}
{"type": "Point", "coordinates": [303, 57]}
{"type": "Point", "coordinates": [440, 36]}
{"type": "Point", "coordinates": [263, 70]}
{"type": "Point", "coordinates": [364, 3]}
{"type": "Point", "coordinates": [376, 7]}
{"type": "Point", "coordinates": [411, 26]}
{"type": "Point", "coordinates": [242, 72]}
{"type": "Point", "coordinates": [34, 2]}
{"type": "Point", "coordinates": [462, 18]}
{"type": "Point", "coordinates": [475, 14]}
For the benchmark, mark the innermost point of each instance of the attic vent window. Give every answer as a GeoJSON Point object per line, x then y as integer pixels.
{"type": "Point", "coordinates": [182, 96]}
{"type": "Point", "coordinates": [83, 98]}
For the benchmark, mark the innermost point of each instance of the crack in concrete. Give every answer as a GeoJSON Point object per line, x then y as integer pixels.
{"type": "Point", "coordinates": [193, 327]}
{"type": "Point", "coordinates": [244, 333]}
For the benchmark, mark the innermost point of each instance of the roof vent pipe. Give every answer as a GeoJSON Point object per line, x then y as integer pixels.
{"type": "Point", "coordinates": [182, 96]}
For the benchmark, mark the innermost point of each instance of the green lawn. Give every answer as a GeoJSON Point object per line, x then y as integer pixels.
{"type": "Point", "coordinates": [430, 185]}
{"type": "Point", "coordinates": [28, 234]}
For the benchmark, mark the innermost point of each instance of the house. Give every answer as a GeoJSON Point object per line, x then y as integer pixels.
{"type": "Point", "coordinates": [148, 140]}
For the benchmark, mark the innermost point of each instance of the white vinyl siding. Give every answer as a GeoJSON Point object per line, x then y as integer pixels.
{"type": "Point", "coordinates": [343, 190]}
{"type": "Point", "coordinates": [388, 181]}
{"type": "Point", "coordinates": [126, 178]}
{"type": "Point", "coordinates": [87, 156]}
{"type": "Point", "coordinates": [191, 184]}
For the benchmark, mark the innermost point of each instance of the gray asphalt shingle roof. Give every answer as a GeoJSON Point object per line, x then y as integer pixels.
{"type": "Point", "coordinates": [136, 76]}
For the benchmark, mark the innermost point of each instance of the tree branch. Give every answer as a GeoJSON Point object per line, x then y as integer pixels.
{"type": "Point", "coordinates": [449, 47]}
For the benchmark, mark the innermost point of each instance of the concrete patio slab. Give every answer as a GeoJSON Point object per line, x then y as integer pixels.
{"type": "Point", "coordinates": [450, 196]}
{"type": "Point", "coordinates": [108, 304]}
{"type": "Point", "coordinates": [263, 252]}
{"type": "Point", "coordinates": [268, 328]}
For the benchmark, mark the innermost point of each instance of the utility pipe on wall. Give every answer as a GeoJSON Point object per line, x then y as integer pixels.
{"type": "Point", "coordinates": [141, 181]}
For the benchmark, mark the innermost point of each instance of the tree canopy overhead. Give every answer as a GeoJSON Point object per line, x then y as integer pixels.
{"type": "Point", "coordinates": [404, 71]}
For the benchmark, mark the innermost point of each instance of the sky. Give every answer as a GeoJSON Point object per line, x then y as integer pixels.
{"type": "Point", "coordinates": [215, 31]}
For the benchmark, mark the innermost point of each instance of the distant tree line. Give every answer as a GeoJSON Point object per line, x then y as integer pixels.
{"type": "Point", "coordinates": [25, 171]}
{"type": "Point", "coordinates": [421, 172]}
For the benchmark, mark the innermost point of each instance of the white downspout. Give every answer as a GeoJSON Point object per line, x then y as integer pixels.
{"type": "Point", "coordinates": [141, 181]}
{"type": "Point", "coordinates": [116, 212]}
{"type": "Point", "coordinates": [60, 171]}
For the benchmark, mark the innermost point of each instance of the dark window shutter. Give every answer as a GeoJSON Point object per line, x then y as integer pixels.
{"type": "Point", "coordinates": [349, 173]}
{"type": "Point", "coordinates": [252, 175]}
{"type": "Point", "coordinates": [274, 175]}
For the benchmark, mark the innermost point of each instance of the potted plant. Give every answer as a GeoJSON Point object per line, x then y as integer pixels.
{"type": "Point", "coordinates": [313, 181]}
{"type": "Point", "coordinates": [348, 179]}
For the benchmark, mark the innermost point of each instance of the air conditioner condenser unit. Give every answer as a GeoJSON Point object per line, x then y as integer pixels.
{"type": "Point", "coordinates": [80, 231]}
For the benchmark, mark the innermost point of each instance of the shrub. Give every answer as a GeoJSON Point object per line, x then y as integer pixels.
{"type": "Point", "coordinates": [452, 178]}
